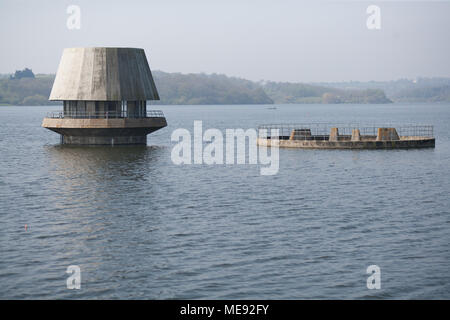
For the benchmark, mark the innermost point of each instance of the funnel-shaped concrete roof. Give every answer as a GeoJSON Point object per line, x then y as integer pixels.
{"type": "Point", "coordinates": [104, 74]}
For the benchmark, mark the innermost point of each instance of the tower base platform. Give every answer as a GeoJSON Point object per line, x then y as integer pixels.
{"type": "Point", "coordinates": [115, 131]}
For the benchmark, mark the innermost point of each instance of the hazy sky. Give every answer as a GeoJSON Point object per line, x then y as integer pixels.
{"type": "Point", "coordinates": [296, 41]}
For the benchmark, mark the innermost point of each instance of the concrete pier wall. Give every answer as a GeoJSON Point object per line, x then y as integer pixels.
{"type": "Point", "coordinates": [103, 140]}
{"type": "Point", "coordinates": [404, 143]}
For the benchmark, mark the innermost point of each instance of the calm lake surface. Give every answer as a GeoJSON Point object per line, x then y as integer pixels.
{"type": "Point", "coordinates": [141, 227]}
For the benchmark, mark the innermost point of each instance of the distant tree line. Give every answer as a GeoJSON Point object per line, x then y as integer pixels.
{"type": "Point", "coordinates": [424, 94]}
{"type": "Point", "coordinates": [25, 88]}
{"type": "Point", "coordinates": [25, 73]}
{"type": "Point", "coordinates": [177, 88]}
{"type": "Point", "coordinates": [404, 90]}
{"type": "Point", "coordinates": [284, 92]}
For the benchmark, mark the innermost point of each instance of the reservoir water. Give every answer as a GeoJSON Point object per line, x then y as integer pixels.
{"type": "Point", "coordinates": [141, 227]}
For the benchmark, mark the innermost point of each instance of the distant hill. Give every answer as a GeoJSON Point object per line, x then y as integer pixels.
{"type": "Point", "coordinates": [173, 88]}
{"type": "Point", "coordinates": [424, 94]}
{"type": "Point", "coordinates": [284, 92]}
{"type": "Point", "coordinates": [403, 90]}
{"type": "Point", "coordinates": [31, 91]}
{"type": "Point", "coordinates": [177, 88]}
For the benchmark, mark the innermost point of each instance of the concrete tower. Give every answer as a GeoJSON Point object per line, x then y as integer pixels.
{"type": "Point", "coordinates": [105, 93]}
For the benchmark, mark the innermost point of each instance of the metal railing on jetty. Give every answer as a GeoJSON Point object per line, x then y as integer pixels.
{"type": "Point", "coordinates": [321, 131]}
{"type": "Point", "coordinates": [104, 115]}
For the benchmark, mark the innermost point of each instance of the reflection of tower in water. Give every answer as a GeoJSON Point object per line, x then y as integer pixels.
{"type": "Point", "coordinates": [101, 176]}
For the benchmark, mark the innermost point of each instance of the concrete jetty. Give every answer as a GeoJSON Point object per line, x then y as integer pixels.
{"type": "Point", "coordinates": [104, 93]}
{"type": "Point", "coordinates": [324, 136]}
